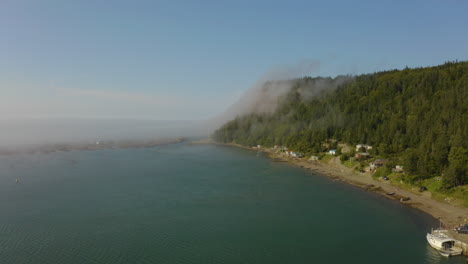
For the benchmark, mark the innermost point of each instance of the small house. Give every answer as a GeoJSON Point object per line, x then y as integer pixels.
{"type": "Point", "coordinates": [377, 164]}
{"type": "Point", "coordinates": [366, 147]}
{"type": "Point", "coordinates": [362, 155]}
{"type": "Point", "coordinates": [297, 155]}
{"type": "Point", "coordinates": [259, 146]}
{"type": "Point", "coordinates": [332, 152]}
{"type": "Point", "coordinates": [314, 158]}
{"type": "Point", "coordinates": [398, 168]}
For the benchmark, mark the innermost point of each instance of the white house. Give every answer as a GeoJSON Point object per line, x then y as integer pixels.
{"type": "Point", "coordinates": [332, 152]}
{"type": "Point", "coordinates": [366, 147]}
{"type": "Point", "coordinates": [297, 154]}
{"type": "Point", "coordinates": [398, 168]}
{"type": "Point", "coordinates": [314, 158]}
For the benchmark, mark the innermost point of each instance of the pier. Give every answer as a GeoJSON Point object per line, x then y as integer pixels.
{"type": "Point", "coordinates": [463, 246]}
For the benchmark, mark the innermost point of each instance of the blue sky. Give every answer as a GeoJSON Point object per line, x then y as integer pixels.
{"type": "Point", "coordinates": [191, 59]}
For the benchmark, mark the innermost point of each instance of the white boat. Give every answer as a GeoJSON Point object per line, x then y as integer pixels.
{"type": "Point", "coordinates": [440, 240]}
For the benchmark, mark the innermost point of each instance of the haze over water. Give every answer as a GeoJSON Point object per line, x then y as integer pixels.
{"type": "Point", "coordinates": [195, 204]}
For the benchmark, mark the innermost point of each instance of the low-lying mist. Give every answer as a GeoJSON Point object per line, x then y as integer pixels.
{"type": "Point", "coordinates": [268, 92]}
{"type": "Point", "coordinates": [40, 134]}
{"type": "Point", "coordinates": [17, 135]}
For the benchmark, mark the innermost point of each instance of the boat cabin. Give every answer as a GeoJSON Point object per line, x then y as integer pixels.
{"type": "Point", "coordinates": [447, 243]}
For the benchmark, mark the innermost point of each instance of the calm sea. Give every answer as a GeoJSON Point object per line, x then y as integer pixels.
{"type": "Point", "coordinates": [195, 204]}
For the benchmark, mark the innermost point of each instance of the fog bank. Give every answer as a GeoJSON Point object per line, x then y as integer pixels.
{"type": "Point", "coordinates": [40, 132]}
{"type": "Point", "coordinates": [268, 92]}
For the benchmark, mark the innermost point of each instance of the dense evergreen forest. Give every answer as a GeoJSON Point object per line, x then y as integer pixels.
{"type": "Point", "coordinates": [414, 117]}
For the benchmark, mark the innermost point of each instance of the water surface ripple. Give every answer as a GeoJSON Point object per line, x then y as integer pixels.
{"type": "Point", "coordinates": [195, 204]}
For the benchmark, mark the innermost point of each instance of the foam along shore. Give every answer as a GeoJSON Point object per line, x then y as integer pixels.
{"type": "Point", "coordinates": [97, 145]}
{"type": "Point", "coordinates": [450, 215]}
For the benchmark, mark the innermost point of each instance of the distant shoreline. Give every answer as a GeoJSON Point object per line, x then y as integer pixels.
{"type": "Point", "coordinates": [450, 215]}
{"type": "Point", "coordinates": [99, 145]}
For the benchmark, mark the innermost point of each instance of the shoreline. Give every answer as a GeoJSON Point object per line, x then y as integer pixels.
{"type": "Point", "coordinates": [450, 215]}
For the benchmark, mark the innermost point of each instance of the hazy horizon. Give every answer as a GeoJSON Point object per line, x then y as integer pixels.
{"type": "Point", "coordinates": [197, 62]}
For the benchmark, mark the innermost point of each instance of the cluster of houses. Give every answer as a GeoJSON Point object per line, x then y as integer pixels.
{"type": "Point", "coordinates": [380, 162]}
{"type": "Point", "coordinates": [365, 147]}
{"type": "Point", "coordinates": [290, 153]}
{"type": "Point", "coordinates": [362, 155]}
{"type": "Point", "coordinates": [294, 154]}
{"type": "Point", "coordinates": [281, 148]}
{"type": "Point", "coordinates": [358, 156]}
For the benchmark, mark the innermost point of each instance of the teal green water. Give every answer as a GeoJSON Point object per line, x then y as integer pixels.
{"type": "Point", "coordinates": [196, 204]}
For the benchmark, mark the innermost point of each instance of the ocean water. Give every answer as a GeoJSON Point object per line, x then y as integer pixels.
{"type": "Point", "coordinates": [196, 204]}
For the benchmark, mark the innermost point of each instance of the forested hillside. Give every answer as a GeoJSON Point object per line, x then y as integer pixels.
{"type": "Point", "coordinates": [416, 117]}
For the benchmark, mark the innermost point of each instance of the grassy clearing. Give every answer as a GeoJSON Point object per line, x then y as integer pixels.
{"type": "Point", "coordinates": [460, 193]}
{"type": "Point", "coordinates": [350, 163]}
{"type": "Point", "coordinates": [395, 179]}
{"type": "Point", "coordinates": [379, 173]}
{"type": "Point", "coordinates": [326, 158]}
{"type": "Point", "coordinates": [433, 184]}
{"type": "Point", "coordinates": [456, 196]}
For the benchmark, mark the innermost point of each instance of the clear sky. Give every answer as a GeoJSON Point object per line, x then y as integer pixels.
{"type": "Point", "coordinates": [191, 59]}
